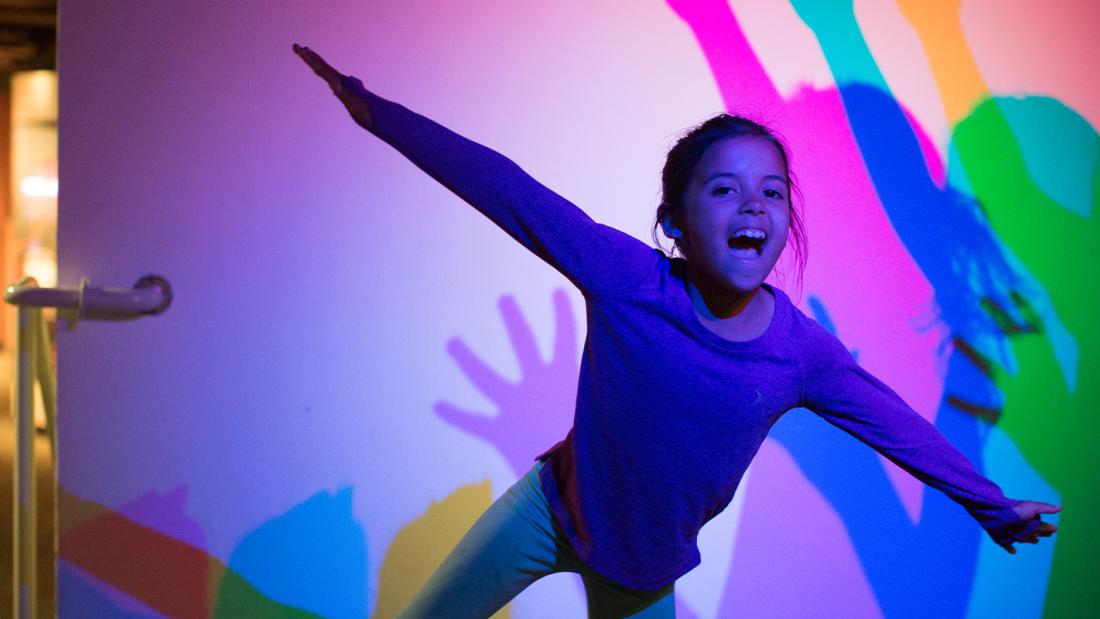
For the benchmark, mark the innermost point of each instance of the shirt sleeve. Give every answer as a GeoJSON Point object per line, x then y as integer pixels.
{"type": "Point", "coordinates": [598, 259]}
{"type": "Point", "coordinates": [849, 397]}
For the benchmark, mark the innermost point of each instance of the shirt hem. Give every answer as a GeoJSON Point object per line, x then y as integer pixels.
{"type": "Point", "coordinates": [549, 485]}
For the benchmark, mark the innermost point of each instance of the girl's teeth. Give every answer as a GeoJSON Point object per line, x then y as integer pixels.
{"type": "Point", "coordinates": [747, 243]}
{"type": "Point", "coordinates": [751, 233]}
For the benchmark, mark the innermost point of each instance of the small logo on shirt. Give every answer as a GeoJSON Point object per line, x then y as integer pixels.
{"type": "Point", "coordinates": [759, 397]}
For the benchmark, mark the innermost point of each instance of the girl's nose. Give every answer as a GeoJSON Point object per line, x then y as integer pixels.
{"type": "Point", "coordinates": [753, 206]}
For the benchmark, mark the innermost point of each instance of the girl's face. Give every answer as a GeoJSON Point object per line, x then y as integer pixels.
{"type": "Point", "coordinates": [736, 213]}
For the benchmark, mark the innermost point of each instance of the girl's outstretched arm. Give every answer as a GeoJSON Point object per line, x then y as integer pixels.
{"type": "Point", "coordinates": [598, 259]}
{"type": "Point", "coordinates": [849, 397]}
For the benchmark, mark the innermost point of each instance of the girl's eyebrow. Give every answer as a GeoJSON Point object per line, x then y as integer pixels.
{"type": "Point", "coordinates": [775, 177]}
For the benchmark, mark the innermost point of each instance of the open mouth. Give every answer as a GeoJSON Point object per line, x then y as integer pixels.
{"type": "Point", "coordinates": [748, 243]}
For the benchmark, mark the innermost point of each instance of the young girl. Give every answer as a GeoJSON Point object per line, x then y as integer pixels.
{"type": "Point", "coordinates": [687, 364]}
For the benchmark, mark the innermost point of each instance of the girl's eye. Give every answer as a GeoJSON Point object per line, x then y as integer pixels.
{"type": "Point", "coordinates": [772, 193]}
{"type": "Point", "coordinates": [722, 191]}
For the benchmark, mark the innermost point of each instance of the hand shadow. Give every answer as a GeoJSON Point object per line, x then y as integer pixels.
{"type": "Point", "coordinates": [534, 412]}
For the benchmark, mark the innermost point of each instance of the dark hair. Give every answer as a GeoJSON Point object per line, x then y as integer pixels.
{"type": "Point", "coordinates": [689, 149]}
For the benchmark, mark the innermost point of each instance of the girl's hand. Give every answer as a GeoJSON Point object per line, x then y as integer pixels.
{"type": "Point", "coordinates": [349, 90]}
{"type": "Point", "coordinates": [1027, 510]}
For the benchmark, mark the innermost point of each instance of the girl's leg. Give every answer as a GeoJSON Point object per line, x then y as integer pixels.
{"type": "Point", "coordinates": [512, 545]}
{"type": "Point", "coordinates": [609, 600]}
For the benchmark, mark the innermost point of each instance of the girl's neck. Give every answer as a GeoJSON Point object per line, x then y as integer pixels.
{"type": "Point", "coordinates": [729, 314]}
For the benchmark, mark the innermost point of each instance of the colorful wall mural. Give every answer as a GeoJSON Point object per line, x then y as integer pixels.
{"type": "Point", "coordinates": [356, 363]}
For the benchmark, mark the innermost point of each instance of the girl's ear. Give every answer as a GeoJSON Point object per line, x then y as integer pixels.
{"type": "Point", "coordinates": [671, 227]}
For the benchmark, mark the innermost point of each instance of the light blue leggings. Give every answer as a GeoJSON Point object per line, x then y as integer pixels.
{"type": "Point", "coordinates": [512, 545]}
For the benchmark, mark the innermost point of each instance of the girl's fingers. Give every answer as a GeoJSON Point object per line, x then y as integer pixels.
{"type": "Point", "coordinates": [1046, 508]}
{"type": "Point", "coordinates": [318, 64]}
{"type": "Point", "coordinates": [348, 89]}
{"type": "Point", "coordinates": [1031, 509]}
{"type": "Point", "coordinates": [309, 58]}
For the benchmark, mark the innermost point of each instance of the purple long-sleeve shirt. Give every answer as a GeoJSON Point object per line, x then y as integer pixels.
{"type": "Point", "coordinates": [669, 414]}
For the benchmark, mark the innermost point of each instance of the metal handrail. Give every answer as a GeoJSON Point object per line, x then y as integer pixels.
{"type": "Point", "coordinates": [32, 361]}
{"type": "Point", "coordinates": [47, 380]}
{"type": "Point", "coordinates": [151, 295]}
